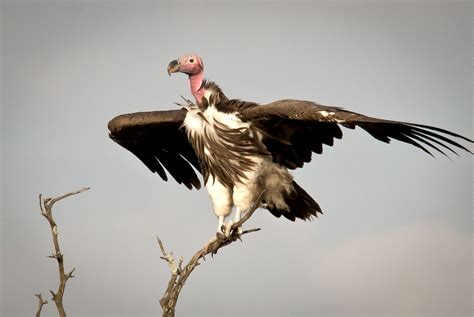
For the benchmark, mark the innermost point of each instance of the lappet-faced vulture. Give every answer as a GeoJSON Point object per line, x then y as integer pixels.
{"type": "Point", "coordinates": [243, 148]}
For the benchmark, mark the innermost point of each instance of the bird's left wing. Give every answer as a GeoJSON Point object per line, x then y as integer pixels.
{"type": "Point", "coordinates": [293, 129]}
{"type": "Point", "coordinates": [157, 139]}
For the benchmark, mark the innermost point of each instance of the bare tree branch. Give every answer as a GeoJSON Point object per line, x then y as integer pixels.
{"type": "Point", "coordinates": [46, 206]}
{"type": "Point", "coordinates": [179, 275]}
{"type": "Point", "coordinates": [41, 302]}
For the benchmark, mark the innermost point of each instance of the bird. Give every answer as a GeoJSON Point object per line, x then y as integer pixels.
{"type": "Point", "coordinates": [245, 150]}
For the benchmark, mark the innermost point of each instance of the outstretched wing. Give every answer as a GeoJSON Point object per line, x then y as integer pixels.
{"type": "Point", "coordinates": [158, 141]}
{"type": "Point", "coordinates": [293, 129]}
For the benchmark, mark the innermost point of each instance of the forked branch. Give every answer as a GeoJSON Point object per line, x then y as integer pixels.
{"type": "Point", "coordinates": [46, 206]}
{"type": "Point", "coordinates": [41, 302]}
{"type": "Point", "coordinates": [179, 275]}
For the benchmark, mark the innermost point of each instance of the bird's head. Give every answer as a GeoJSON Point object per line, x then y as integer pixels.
{"type": "Point", "coordinates": [190, 64]}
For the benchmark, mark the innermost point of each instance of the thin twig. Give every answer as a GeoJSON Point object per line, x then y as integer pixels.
{"type": "Point", "coordinates": [179, 275]}
{"type": "Point", "coordinates": [46, 206]}
{"type": "Point", "coordinates": [41, 302]}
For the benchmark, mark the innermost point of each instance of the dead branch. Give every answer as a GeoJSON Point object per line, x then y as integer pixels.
{"type": "Point", "coordinates": [46, 206]}
{"type": "Point", "coordinates": [41, 302]}
{"type": "Point", "coordinates": [179, 275]}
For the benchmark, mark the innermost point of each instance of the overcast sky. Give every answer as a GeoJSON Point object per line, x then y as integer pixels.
{"type": "Point", "coordinates": [396, 236]}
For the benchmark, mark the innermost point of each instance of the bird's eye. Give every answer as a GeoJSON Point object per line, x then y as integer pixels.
{"type": "Point", "coordinates": [191, 60]}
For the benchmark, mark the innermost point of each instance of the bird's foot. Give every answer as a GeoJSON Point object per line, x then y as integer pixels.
{"type": "Point", "coordinates": [220, 234]}
{"type": "Point", "coordinates": [239, 231]}
{"type": "Point", "coordinates": [225, 229]}
{"type": "Point", "coordinates": [229, 231]}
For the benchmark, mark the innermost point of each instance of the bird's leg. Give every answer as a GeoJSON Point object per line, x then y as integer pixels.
{"type": "Point", "coordinates": [220, 224]}
{"type": "Point", "coordinates": [228, 226]}
{"type": "Point", "coordinates": [238, 216]}
{"type": "Point", "coordinates": [221, 228]}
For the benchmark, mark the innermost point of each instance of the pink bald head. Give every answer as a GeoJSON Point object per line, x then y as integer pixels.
{"type": "Point", "coordinates": [190, 64]}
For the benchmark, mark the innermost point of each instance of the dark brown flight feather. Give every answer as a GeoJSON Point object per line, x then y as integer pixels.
{"type": "Point", "coordinates": [293, 129]}
{"type": "Point", "coordinates": [158, 140]}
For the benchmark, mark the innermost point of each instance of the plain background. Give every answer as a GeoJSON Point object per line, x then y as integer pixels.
{"type": "Point", "coordinates": [396, 237]}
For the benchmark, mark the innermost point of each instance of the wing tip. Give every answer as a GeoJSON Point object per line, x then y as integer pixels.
{"type": "Point", "coordinates": [115, 125]}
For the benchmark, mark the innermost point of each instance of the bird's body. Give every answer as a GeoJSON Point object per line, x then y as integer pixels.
{"type": "Point", "coordinates": [238, 169]}
{"type": "Point", "coordinates": [244, 149]}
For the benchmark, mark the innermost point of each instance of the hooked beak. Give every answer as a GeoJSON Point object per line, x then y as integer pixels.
{"type": "Point", "coordinates": [173, 67]}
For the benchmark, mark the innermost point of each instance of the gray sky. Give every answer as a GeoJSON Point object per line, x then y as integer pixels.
{"type": "Point", "coordinates": [396, 237]}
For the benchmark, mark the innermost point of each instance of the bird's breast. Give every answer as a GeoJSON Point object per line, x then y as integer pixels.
{"type": "Point", "coordinates": [228, 149]}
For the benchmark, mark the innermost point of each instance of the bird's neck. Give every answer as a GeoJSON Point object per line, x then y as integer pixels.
{"type": "Point", "coordinates": [195, 82]}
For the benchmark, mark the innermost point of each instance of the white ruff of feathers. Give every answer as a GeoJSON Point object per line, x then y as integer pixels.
{"type": "Point", "coordinates": [249, 168]}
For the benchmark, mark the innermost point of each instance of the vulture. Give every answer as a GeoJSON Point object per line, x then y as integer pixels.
{"type": "Point", "coordinates": [245, 150]}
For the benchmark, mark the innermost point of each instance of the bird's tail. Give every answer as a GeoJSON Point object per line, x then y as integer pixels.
{"type": "Point", "coordinates": [301, 205]}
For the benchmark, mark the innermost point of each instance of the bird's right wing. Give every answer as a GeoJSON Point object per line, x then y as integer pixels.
{"type": "Point", "coordinates": [158, 140]}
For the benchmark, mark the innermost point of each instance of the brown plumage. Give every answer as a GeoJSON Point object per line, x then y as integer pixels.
{"type": "Point", "coordinates": [158, 141]}
{"type": "Point", "coordinates": [292, 130]}
{"type": "Point", "coordinates": [228, 139]}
